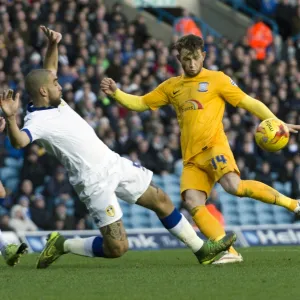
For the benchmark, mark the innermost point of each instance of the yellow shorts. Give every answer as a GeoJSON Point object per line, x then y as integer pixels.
{"type": "Point", "coordinates": [206, 168]}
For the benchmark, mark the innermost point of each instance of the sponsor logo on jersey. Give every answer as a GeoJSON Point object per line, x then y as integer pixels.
{"type": "Point", "coordinates": [110, 211]}
{"type": "Point", "coordinates": [203, 87]}
{"type": "Point", "coordinates": [191, 105]}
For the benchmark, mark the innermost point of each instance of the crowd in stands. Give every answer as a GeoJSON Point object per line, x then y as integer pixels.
{"type": "Point", "coordinates": [286, 13]}
{"type": "Point", "coordinates": [98, 43]}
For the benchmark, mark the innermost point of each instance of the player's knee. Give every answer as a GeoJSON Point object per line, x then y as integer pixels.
{"type": "Point", "coordinates": [193, 198]}
{"type": "Point", "coordinates": [118, 249]}
{"type": "Point", "coordinates": [230, 184]}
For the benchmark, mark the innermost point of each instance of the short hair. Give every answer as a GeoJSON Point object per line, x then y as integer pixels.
{"type": "Point", "coordinates": [35, 79]}
{"type": "Point", "coordinates": [190, 42]}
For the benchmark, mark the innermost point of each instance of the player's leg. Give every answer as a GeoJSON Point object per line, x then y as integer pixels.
{"type": "Point", "coordinates": [159, 202]}
{"type": "Point", "coordinates": [135, 187]}
{"type": "Point", "coordinates": [232, 183]}
{"type": "Point", "coordinates": [112, 244]}
{"type": "Point", "coordinates": [106, 212]}
{"type": "Point", "coordinates": [195, 186]}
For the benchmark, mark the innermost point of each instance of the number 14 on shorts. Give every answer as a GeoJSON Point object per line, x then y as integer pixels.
{"type": "Point", "coordinates": [217, 160]}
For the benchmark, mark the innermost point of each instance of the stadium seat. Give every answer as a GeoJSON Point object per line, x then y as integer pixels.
{"type": "Point", "coordinates": [265, 218]}
{"type": "Point", "coordinates": [229, 209]}
{"type": "Point", "coordinates": [284, 218]}
{"type": "Point", "coordinates": [170, 178]}
{"type": "Point", "coordinates": [176, 199]}
{"type": "Point", "coordinates": [13, 162]}
{"type": "Point", "coordinates": [262, 207]}
{"type": "Point", "coordinates": [8, 173]}
{"type": "Point", "coordinates": [279, 187]}
{"type": "Point", "coordinates": [3, 211]}
{"type": "Point", "coordinates": [154, 221]}
{"type": "Point", "coordinates": [232, 222]}
{"type": "Point", "coordinates": [140, 221]}
{"type": "Point", "coordinates": [12, 184]}
{"type": "Point", "coordinates": [158, 181]}
{"type": "Point", "coordinates": [178, 167]}
{"type": "Point", "coordinates": [248, 219]}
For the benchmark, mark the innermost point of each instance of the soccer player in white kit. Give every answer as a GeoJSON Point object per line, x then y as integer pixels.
{"type": "Point", "coordinates": [10, 252]}
{"type": "Point", "coordinates": [97, 174]}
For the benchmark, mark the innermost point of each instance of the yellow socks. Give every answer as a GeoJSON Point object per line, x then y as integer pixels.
{"type": "Point", "coordinates": [208, 224]}
{"type": "Point", "coordinates": [260, 191]}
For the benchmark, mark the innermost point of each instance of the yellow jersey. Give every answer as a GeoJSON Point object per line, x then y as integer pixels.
{"type": "Point", "coordinates": [199, 103]}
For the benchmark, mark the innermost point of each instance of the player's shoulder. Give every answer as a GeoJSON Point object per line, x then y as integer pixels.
{"type": "Point", "coordinates": [213, 74]}
{"type": "Point", "coordinates": [171, 82]}
{"type": "Point", "coordinates": [219, 76]}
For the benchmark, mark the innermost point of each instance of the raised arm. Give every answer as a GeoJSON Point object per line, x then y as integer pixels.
{"type": "Point", "coordinates": [152, 100]}
{"type": "Point", "coordinates": [132, 102]}
{"type": "Point", "coordinates": [260, 110]}
{"type": "Point", "coordinates": [10, 106]}
{"type": "Point", "coordinates": [51, 58]}
{"type": "Point", "coordinates": [231, 93]}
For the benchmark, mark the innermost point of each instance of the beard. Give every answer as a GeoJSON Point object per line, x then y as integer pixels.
{"type": "Point", "coordinates": [55, 101]}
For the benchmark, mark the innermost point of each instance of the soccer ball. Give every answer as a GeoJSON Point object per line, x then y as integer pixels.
{"type": "Point", "coordinates": [272, 135]}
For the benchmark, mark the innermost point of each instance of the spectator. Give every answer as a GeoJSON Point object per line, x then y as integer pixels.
{"type": "Point", "coordinates": [26, 189]}
{"type": "Point", "coordinates": [32, 169]}
{"type": "Point", "coordinates": [5, 223]}
{"type": "Point", "coordinates": [62, 220]}
{"type": "Point", "coordinates": [39, 215]}
{"type": "Point", "coordinates": [58, 184]}
{"type": "Point", "coordinates": [264, 174]}
{"type": "Point", "coordinates": [260, 38]}
{"type": "Point", "coordinates": [19, 221]}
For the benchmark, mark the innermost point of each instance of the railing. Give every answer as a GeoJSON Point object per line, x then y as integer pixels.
{"type": "Point", "coordinates": [239, 5]}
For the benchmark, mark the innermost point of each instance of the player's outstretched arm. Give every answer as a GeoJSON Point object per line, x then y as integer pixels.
{"type": "Point", "coordinates": [132, 102]}
{"type": "Point", "coordinates": [260, 110]}
{"type": "Point", "coordinates": [10, 106]}
{"type": "Point", "coordinates": [51, 58]}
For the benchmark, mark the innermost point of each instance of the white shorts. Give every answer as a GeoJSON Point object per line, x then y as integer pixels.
{"type": "Point", "coordinates": [117, 178]}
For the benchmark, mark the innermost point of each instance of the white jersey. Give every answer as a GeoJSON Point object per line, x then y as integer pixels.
{"type": "Point", "coordinates": [64, 134]}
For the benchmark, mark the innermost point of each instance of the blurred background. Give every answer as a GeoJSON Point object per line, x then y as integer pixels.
{"type": "Point", "coordinates": [256, 42]}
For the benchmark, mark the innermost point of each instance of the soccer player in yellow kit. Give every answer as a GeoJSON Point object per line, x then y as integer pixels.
{"type": "Point", "coordinates": [199, 97]}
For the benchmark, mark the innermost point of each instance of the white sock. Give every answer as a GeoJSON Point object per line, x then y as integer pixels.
{"type": "Point", "coordinates": [185, 232]}
{"type": "Point", "coordinates": [80, 246]}
{"type": "Point", "coordinates": [3, 243]}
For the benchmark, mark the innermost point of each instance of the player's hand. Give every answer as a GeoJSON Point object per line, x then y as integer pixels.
{"type": "Point", "coordinates": [108, 86]}
{"type": "Point", "coordinates": [293, 128]}
{"type": "Point", "coordinates": [9, 105]}
{"type": "Point", "coordinates": [2, 124]}
{"type": "Point", "coordinates": [54, 37]}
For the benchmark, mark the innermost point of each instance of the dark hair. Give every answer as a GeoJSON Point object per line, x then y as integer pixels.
{"type": "Point", "coordinates": [190, 42]}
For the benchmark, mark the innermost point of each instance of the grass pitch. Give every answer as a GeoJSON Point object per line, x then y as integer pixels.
{"type": "Point", "coordinates": [267, 273]}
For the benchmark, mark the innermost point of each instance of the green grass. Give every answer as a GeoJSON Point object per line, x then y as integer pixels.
{"type": "Point", "coordinates": [267, 273]}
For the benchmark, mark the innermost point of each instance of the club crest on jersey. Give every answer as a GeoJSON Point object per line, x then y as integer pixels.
{"type": "Point", "coordinates": [110, 211]}
{"type": "Point", "coordinates": [203, 87]}
{"type": "Point", "coordinates": [191, 105]}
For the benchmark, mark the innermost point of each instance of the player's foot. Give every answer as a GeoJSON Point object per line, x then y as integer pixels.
{"type": "Point", "coordinates": [297, 209]}
{"type": "Point", "coordinates": [211, 249]}
{"type": "Point", "coordinates": [229, 258]}
{"type": "Point", "coordinates": [53, 250]}
{"type": "Point", "coordinates": [12, 253]}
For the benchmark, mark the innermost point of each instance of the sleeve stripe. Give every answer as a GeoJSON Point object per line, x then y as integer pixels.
{"type": "Point", "coordinates": [28, 133]}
